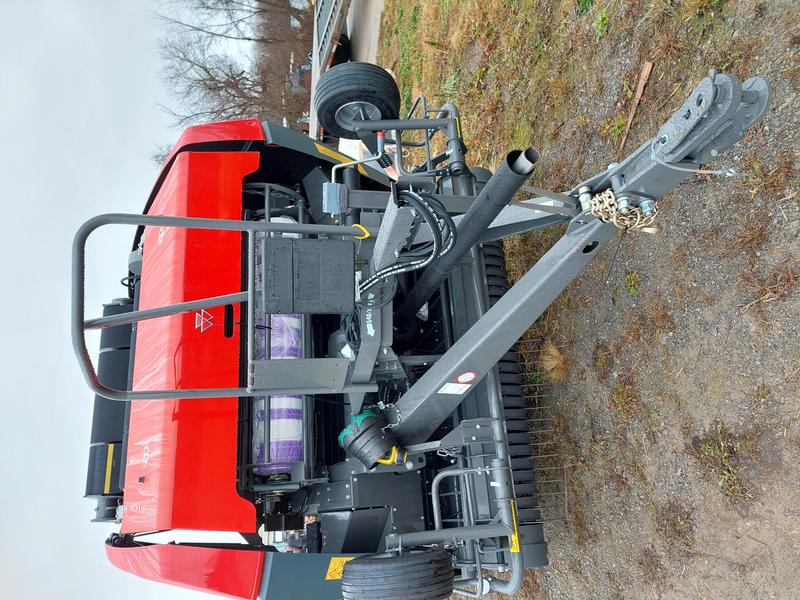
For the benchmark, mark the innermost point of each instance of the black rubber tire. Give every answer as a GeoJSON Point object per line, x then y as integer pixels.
{"type": "Point", "coordinates": [354, 82]}
{"type": "Point", "coordinates": [343, 52]}
{"type": "Point", "coordinates": [424, 574]}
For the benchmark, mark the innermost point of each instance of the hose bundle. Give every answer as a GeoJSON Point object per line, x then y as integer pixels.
{"type": "Point", "coordinates": [443, 232]}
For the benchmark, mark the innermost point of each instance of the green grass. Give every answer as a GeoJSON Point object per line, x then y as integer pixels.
{"type": "Point", "coordinates": [632, 283]}
{"type": "Point", "coordinates": [451, 85]}
{"type": "Point", "coordinates": [600, 24]}
{"type": "Point", "coordinates": [704, 11]}
{"type": "Point", "coordinates": [584, 6]}
{"type": "Point", "coordinates": [613, 128]}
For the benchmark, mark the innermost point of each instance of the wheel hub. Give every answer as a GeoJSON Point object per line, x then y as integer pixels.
{"type": "Point", "coordinates": [349, 114]}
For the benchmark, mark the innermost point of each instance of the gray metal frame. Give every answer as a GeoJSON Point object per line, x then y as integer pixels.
{"type": "Point", "coordinates": [425, 406]}
{"type": "Point", "coordinates": [713, 119]}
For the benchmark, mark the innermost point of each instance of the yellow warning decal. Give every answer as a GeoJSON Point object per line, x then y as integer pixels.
{"type": "Point", "coordinates": [338, 156]}
{"type": "Point", "coordinates": [109, 460]}
{"type": "Point", "coordinates": [336, 567]}
{"type": "Point", "coordinates": [515, 535]}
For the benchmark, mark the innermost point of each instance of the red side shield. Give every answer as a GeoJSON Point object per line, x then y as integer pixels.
{"type": "Point", "coordinates": [232, 573]}
{"type": "Point", "coordinates": [181, 454]}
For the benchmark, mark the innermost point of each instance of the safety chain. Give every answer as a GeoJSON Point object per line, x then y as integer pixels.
{"type": "Point", "coordinates": [604, 207]}
{"type": "Point", "coordinates": [399, 416]}
{"type": "Point", "coordinates": [446, 452]}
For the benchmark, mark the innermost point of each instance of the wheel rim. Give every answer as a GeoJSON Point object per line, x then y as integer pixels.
{"type": "Point", "coordinates": [349, 114]}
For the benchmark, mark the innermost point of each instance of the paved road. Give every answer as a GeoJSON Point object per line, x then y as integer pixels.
{"type": "Point", "coordinates": [363, 27]}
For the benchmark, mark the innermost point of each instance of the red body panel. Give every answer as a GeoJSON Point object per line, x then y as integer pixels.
{"type": "Point", "coordinates": [223, 131]}
{"type": "Point", "coordinates": [232, 573]}
{"type": "Point", "coordinates": [181, 454]}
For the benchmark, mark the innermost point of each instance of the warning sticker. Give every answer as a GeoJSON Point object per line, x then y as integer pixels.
{"type": "Point", "coordinates": [454, 388]}
{"type": "Point", "coordinates": [515, 535]}
{"type": "Point", "coordinates": [467, 377]}
{"type": "Point", "coordinates": [336, 567]}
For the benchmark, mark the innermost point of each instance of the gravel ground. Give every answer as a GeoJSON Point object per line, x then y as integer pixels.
{"type": "Point", "coordinates": [667, 359]}
{"type": "Point", "coordinates": [679, 416]}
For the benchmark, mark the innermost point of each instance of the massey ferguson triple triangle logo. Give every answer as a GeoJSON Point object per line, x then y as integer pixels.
{"type": "Point", "coordinates": [203, 320]}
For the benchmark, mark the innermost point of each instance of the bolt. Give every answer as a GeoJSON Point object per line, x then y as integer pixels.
{"type": "Point", "coordinates": [648, 207]}
{"type": "Point", "coordinates": [347, 497]}
{"type": "Point", "coordinates": [624, 205]}
{"type": "Point", "coordinates": [585, 197]}
{"type": "Point", "coordinates": [474, 438]}
{"type": "Point", "coordinates": [410, 465]}
{"type": "Point", "coordinates": [347, 486]}
{"type": "Point", "coordinates": [612, 165]}
{"type": "Point", "coordinates": [394, 509]}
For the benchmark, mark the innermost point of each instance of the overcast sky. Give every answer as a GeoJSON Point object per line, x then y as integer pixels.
{"type": "Point", "coordinates": [79, 89]}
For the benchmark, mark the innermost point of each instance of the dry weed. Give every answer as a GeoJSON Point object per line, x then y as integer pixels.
{"type": "Point", "coordinates": [553, 362]}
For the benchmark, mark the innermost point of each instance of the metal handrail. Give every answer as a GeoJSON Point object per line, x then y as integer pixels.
{"type": "Point", "coordinates": [79, 324]}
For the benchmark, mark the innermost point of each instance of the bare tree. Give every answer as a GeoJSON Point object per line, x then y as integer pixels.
{"type": "Point", "coordinates": [236, 20]}
{"type": "Point", "coordinates": [231, 59]}
{"type": "Point", "coordinates": [210, 86]}
{"type": "Point", "coordinates": [160, 153]}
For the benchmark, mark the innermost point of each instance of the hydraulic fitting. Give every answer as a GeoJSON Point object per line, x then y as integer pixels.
{"type": "Point", "coordinates": [367, 438]}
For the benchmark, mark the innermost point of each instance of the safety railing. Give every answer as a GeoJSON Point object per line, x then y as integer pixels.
{"type": "Point", "coordinates": [282, 375]}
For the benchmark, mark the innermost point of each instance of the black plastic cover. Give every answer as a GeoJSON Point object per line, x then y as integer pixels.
{"type": "Point", "coordinates": [102, 478]}
{"type": "Point", "coordinates": [112, 370]}
{"type": "Point", "coordinates": [308, 276]}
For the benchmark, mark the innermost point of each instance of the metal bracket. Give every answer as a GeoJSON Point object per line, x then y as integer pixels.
{"type": "Point", "coordinates": [393, 234]}
{"type": "Point", "coordinates": [329, 373]}
{"type": "Point", "coordinates": [470, 431]}
{"type": "Point", "coordinates": [712, 120]}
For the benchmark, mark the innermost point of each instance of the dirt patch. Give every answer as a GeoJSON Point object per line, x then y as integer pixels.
{"type": "Point", "coordinates": [624, 398]}
{"type": "Point", "coordinates": [723, 455]}
{"type": "Point", "coordinates": [602, 360]}
{"type": "Point", "coordinates": [675, 523]}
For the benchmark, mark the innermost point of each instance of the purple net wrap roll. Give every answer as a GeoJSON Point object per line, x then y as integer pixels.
{"type": "Point", "coordinates": [285, 419]}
